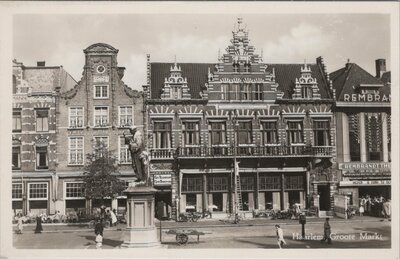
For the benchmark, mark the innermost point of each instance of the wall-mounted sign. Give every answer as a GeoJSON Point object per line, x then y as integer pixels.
{"type": "Point", "coordinates": [364, 183]}
{"type": "Point", "coordinates": [162, 179]}
{"type": "Point", "coordinates": [360, 165]}
{"type": "Point", "coordinates": [101, 79]}
{"type": "Point", "coordinates": [366, 98]}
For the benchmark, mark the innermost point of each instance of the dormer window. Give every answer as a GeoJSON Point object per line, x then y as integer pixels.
{"type": "Point", "coordinates": [235, 67]}
{"type": "Point", "coordinates": [176, 92]}
{"type": "Point", "coordinates": [306, 92]}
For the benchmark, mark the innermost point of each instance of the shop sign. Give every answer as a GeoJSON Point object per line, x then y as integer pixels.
{"type": "Point", "coordinates": [101, 79]}
{"type": "Point", "coordinates": [366, 98]}
{"type": "Point", "coordinates": [162, 179]}
{"type": "Point", "coordinates": [362, 183]}
{"type": "Point", "coordinates": [355, 166]}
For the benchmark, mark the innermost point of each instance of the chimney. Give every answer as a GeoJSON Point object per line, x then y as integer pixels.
{"type": "Point", "coordinates": [380, 65]}
{"type": "Point", "coordinates": [41, 63]}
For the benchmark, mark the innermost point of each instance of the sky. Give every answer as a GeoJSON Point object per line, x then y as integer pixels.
{"type": "Point", "coordinates": [283, 38]}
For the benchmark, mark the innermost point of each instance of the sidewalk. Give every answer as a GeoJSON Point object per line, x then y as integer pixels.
{"type": "Point", "coordinates": [202, 223]}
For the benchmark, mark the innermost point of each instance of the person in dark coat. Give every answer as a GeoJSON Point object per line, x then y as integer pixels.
{"type": "Point", "coordinates": [327, 232]}
{"type": "Point", "coordinates": [98, 228]}
{"type": "Point", "coordinates": [39, 227]}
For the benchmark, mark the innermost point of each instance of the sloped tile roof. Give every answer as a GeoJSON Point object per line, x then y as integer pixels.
{"type": "Point", "coordinates": [386, 77]}
{"type": "Point", "coordinates": [352, 75]}
{"type": "Point", "coordinates": [286, 74]}
{"type": "Point", "coordinates": [46, 79]}
{"type": "Point", "coordinates": [196, 74]}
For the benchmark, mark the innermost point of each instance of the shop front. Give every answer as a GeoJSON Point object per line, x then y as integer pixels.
{"type": "Point", "coordinates": [162, 181]}
{"type": "Point", "coordinates": [361, 180]}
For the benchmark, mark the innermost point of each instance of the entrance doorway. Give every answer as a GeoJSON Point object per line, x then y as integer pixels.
{"type": "Point", "coordinates": [217, 201]}
{"type": "Point", "coordinates": [324, 197]}
{"type": "Point", "coordinates": [245, 201]}
{"type": "Point", "coordinates": [163, 202]}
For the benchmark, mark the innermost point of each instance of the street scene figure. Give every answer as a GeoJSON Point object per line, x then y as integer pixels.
{"type": "Point", "coordinates": [39, 227]}
{"type": "Point", "coordinates": [19, 225]}
{"type": "Point", "coordinates": [327, 232]}
{"type": "Point", "coordinates": [139, 156]}
{"type": "Point", "coordinates": [98, 231]}
{"type": "Point", "coordinates": [279, 235]}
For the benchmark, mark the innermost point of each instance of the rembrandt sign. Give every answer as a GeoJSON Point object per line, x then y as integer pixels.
{"type": "Point", "coordinates": [366, 98]}
{"type": "Point", "coordinates": [354, 166]}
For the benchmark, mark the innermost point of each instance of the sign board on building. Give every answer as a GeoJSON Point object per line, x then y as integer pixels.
{"type": "Point", "coordinates": [340, 202]}
{"type": "Point", "coordinates": [362, 182]}
{"type": "Point", "coordinates": [101, 79]}
{"type": "Point", "coordinates": [360, 165]}
{"type": "Point", "coordinates": [366, 98]}
{"type": "Point", "coordinates": [162, 179]}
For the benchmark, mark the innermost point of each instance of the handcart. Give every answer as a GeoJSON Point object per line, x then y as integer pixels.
{"type": "Point", "coordinates": [182, 235]}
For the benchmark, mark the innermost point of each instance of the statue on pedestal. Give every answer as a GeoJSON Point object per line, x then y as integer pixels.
{"type": "Point", "coordinates": [140, 158]}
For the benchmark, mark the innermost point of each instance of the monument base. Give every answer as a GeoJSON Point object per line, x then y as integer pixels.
{"type": "Point", "coordinates": [141, 231]}
{"type": "Point", "coordinates": [141, 238]}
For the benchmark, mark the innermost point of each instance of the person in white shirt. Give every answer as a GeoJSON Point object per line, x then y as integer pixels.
{"type": "Point", "coordinates": [279, 235]}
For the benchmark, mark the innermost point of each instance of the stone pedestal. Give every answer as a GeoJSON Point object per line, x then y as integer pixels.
{"type": "Point", "coordinates": [141, 231]}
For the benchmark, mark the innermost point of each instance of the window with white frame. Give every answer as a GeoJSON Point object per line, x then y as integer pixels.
{"type": "Point", "coordinates": [16, 157]}
{"type": "Point", "coordinates": [176, 92]}
{"type": "Point", "coordinates": [101, 91]}
{"type": "Point", "coordinates": [125, 116]}
{"type": "Point", "coordinates": [269, 132]}
{"type": "Point", "coordinates": [74, 190]}
{"type": "Point", "coordinates": [306, 92]}
{"type": "Point", "coordinates": [75, 117]}
{"type": "Point", "coordinates": [38, 191]}
{"type": "Point", "coordinates": [124, 153]}
{"type": "Point", "coordinates": [245, 90]}
{"type": "Point", "coordinates": [217, 133]}
{"type": "Point", "coordinates": [244, 132]}
{"type": "Point", "coordinates": [191, 133]}
{"type": "Point", "coordinates": [41, 157]}
{"type": "Point", "coordinates": [294, 130]}
{"type": "Point", "coordinates": [75, 150]}
{"type": "Point", "coordinates": [162, 134]}
{"type": "Point", "coordinates": [100, 116]}
{"type": "Point", "coordinates": [322, 134]}
{"type": "Point", "coordinates": [224, 92]}
{"type": "Point", "coordinates": [258, 92]}
{"type": "Point", "coordinates": [16, 191]}
{"type": "Point", "coordinates": [42, 120]}
{"type": "Point", "coordinates": [16, 120]}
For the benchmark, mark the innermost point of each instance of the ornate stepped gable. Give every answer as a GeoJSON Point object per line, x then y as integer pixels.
{"type": "Point", "coordinates": [306, 86]}
{"type": "Point", "coordinates": [175, 87]}
{"type": "Point", "coordinates": [240, 64]}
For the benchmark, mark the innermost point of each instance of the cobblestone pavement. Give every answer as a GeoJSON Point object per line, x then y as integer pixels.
{"type": "Point", "coordinates": [248, 234]}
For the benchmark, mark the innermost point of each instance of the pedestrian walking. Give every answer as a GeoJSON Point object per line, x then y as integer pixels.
{"type": "Point", "coordinates": [39, 227]}
{"type": "Point", "coordinates": [279, 235]}
{"type": "Point", "coordinates": [327, 232]}
{"type": "Point", "coordinates": [19, 225]}
{"type": "Point", "coordinates": [113, 218]}
{"type": "Point", "coordinates": [98, 231]}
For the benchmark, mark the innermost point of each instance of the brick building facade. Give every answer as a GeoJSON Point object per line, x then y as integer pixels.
{"type": "Point", "coordinates": [81, 116]}
{"type": "Point", "coordinates": [34, 135]}
{"type": "Point", "coordinates": [275, 119]}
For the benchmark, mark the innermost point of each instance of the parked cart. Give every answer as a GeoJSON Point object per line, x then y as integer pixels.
{"type": "Point", "coordinates": [182, 235]}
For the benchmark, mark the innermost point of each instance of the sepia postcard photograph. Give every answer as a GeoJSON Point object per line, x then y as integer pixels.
{"type": "Point", "coordinates": [199, 129]}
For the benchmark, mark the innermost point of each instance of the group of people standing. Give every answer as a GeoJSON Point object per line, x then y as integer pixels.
{"type": "Point", "coordinates": [376, 206]}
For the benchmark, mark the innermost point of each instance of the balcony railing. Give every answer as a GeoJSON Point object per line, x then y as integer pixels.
{"type": "Point", "coordinates": [162, 153]}
{"type": "Point", "coordinates": [259, 151]}
{"type": "Point", "coordinates": [242, 151]}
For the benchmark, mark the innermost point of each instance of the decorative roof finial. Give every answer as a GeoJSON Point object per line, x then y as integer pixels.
{"type": "Point", "coordinates": [239, 21]}
{"type": "Point", "coordinates": [175, 60]}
